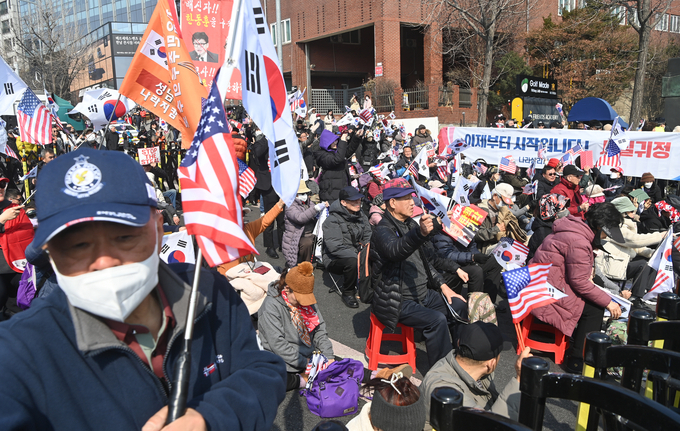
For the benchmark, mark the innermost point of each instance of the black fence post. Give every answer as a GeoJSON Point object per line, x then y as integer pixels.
{"type": "Point", "coordinates": [594, 366]}
{"type": "Point", "coordinates": [532, 403]}
{"type": "Point", "coordinates": [443, 402]}
{"type": "Point", "coordinates": [668, 306]}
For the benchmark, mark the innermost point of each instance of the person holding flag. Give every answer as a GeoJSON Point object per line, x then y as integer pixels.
{"type": "Point", "coordinates": [570, 251]}
{"type": "Point", "coordinates": [115, 323]}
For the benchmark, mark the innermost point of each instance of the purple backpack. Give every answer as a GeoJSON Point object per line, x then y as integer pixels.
{"type": "Point", "coordinates": [335, 390]}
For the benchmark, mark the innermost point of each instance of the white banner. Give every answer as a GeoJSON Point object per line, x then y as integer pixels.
{"type": "Point", "coordinates": [648, 151]}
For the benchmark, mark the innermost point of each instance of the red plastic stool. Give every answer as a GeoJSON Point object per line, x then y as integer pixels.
{"type": "Point", "coordinates": [375, 339]}
{"type": "Point", "coordinates": [557, 348]}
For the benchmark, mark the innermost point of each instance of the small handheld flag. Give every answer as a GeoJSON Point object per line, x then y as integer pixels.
{"type": "Point", "coordinates": [528, 288]}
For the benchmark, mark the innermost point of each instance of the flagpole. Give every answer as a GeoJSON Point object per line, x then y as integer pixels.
{"type": "Point", "coordinates": [232, 46]}
{"type": "Point", "coordinates": [177, 404]}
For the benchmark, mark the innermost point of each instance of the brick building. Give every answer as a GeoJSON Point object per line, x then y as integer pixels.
{"type": "Point", "coordinates": [333, 48]}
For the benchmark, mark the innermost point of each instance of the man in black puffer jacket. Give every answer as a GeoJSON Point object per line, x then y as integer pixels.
{"type": "Point", "coordinates": [332, 159]}
{"type": "Point", "coordinates": [408, 291]}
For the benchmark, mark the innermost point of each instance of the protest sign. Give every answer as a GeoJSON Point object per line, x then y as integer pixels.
{"type": "Point", "coordinates": [148, 156]}
{"type": "Point", "coordinates": [465, 220]}
{"type": "Point", "coordinates": [586, 159]}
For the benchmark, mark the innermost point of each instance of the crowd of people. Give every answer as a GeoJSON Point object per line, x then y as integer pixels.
{"type": "Point", "coordinates": [92, 232]}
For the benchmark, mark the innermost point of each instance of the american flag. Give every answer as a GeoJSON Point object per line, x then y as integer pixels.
{"type": "Point", "coordinates": [10, 152]}
{"type": "Point", "coordinates": [527, 288]}
{"type": "Point", "coordinates": [413, 169]}
{"type": "Point", "coordinates": [209, 179]}
{"type": "Point", "coordinates": [35, 123]}
{"type": "Point", "coordinates": [566, 159]}
{"type": "Point", "coordinates": [480, 168]}
{"type": "Point", "coordinates": [575, 150]}
{"type": "Point", "coordinates": [508, 165]}
{"type": "Point", "coordinates": [246, 179]}
{"type": "Point", "coordinates": [443, 172]}
{"type": "Point", "coordinates": [376, 170]}
{"type": "Point", "coordinates": [610, 157]}
{"type": "Point", "coordinates": [676, 243]}
{"type": "Point", "coordinates": [366, 115]}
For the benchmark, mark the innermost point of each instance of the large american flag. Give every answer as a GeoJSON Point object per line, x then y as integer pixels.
{"type": "Point", "coordinates": [35, 123]}
{"type": "Point", "coordinates": [209, 177]}
{"type": "Point", "coordinates": [508, 165]}
{"type": "Point", "coordinates": [246, 179]}
{"type": "Point", "coordinates": [610, 157]}
{"type": "Point", "coordinates": [527, 288]}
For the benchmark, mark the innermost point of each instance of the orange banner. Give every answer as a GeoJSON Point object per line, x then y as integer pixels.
{"type": "Point", "coordinates": [162, 78]}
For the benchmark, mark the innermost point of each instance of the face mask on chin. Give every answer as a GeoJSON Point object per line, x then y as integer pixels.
{"type": "Point", "coordinates": [113, 293]}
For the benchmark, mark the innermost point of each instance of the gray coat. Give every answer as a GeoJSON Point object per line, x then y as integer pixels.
{"type": "Point", "coordinates": [278, 334]}
{"type": "Point", "coordinates": [343, 232]}
{"type": "Point", "coordinates": [297, 216]}
{"type": "Point", "coordinates": [447, 372]}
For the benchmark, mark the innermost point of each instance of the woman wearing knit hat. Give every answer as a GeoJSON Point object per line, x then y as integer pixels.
{"type": "Point", "coordinates": [651, 187]}
{"type": "Point", "coordinates": [375, 213]}
{"type": "Point", "coordinates": [396, 406]}
{"type": "Point", "coordinates": [290, 324]}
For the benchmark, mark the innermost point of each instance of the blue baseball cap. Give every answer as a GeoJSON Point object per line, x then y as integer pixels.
{"type": "Point", "coordinates": [90, 185]}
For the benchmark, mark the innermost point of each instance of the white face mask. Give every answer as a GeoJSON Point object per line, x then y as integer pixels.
{"type": "Point", "coordinates": [614, 176]}
{"type": "Point", "coordinates": [302, 197]}
{"type": "Point", "coordinates": [648, 185]}
{"type": "Point", "coordinates": [113, 293]}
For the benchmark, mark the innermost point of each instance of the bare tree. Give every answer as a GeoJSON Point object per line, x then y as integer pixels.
{"type": "Point", "coordinates": [643, 16]}
{"type": "Point", "coordinates": [50, 50]}
{"type": "Point", "coordinates": [473, 30]}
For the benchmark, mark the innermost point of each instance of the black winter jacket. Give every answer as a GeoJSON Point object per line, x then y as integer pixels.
{"type": "Point", "coordinates": [261, 156]}
{"type": "Point", "coordinates": [544, 186]}
{"type": "Point", "coordinates": [448, 248]}
{"type": "Point", "coordinates": [541, 229]}
{"type": "Point", "coordinates": [334, 170]}
{"type": "Point", "coordinates": [654, 192]}
{"type": "Point", "coordinates": [369, 153]}
{"type": "Point", "coordinates": [390, 246]}
{"type": "Point", "coordinates": [344, 233]}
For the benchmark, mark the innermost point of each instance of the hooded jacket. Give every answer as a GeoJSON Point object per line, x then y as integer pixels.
{"type": "Point", "coordinates": [481, 394]}
{"type": "Point", "coordinates": [344, 233]}
{"type": "Point", "coordinates": [571, 191]}
{"type": "Point", "coordinates": [333, 163]}
{"type": "Point", "coordinates": [570, 252]}
{"type": "Point", "coordinates": [298, 215]}
{"type": "Point", "coordinates": [279, 335]}
{"type": "Point", "coordinates": [63, 369]}
{"type": "Point", "coordinates": [390, 247]}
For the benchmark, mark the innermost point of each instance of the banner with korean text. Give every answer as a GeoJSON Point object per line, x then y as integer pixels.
{"type": "Point", "coordinates": [205, 26]}
{"type": "Point", "coordinates": [647, 152]}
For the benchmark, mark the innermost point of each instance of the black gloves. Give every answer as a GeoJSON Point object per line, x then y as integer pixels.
{"type": "Point", "coordinates": [480, 258]}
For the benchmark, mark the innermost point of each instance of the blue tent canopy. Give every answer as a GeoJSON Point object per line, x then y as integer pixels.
{"type": "Point", "coordinates": [593, 108]}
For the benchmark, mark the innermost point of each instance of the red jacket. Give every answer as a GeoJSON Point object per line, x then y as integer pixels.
{"type": "Point", "coordinates": [570, 251]}
{"type": "Point", "coordinates": [572, 191]}
{"type": "Point", "coordinates": [17, 236]}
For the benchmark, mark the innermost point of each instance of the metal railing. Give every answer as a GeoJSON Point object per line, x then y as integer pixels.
{"type": "Point", "coordinates": [446, 96]}
{"type": "Point", "coordinates": [417, 98]}
{"type": "Point", "coordinates": [325, 99]}
{"type": "Point", "coordinates": [465, 98]}
{"type": "Point", "coordinates": [383, 102]}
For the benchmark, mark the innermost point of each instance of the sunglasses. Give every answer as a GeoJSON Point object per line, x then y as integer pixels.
{"type": "Point", "coordinates": [552, 175]}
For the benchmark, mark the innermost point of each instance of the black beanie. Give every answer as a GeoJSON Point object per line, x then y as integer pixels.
{"type": "Point", "coordinates": [386, 416]}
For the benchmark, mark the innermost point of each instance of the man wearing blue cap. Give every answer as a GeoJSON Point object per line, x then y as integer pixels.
{"type": "Point", "coordinates": [410, 289]}
{"type": "Point", "coordinates": [98, 352]}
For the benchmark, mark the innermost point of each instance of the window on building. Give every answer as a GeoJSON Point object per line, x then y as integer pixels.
{"type": "Point", "coordinates": [8, 45]}
{"type": "Point", "coordinates": [675, 24]}
{"type": "Point", "coordinates": [3, 8]}
{"type": "Point", "coordinates": [285, 28]}
{"type": "Point", "coordinates": [5, 26]}
{"type": "Point", "coordinates": [620, 13]}
{"type": "Point", "coordinates": [661, 22]}
{"type": "Point", "coordinates": [351, 38]}
{"type": "Point", "coordinates": [633, 17]}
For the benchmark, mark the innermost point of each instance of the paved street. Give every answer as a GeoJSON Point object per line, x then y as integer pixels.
{"type": "Point", "coordinates": [348, 329]}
